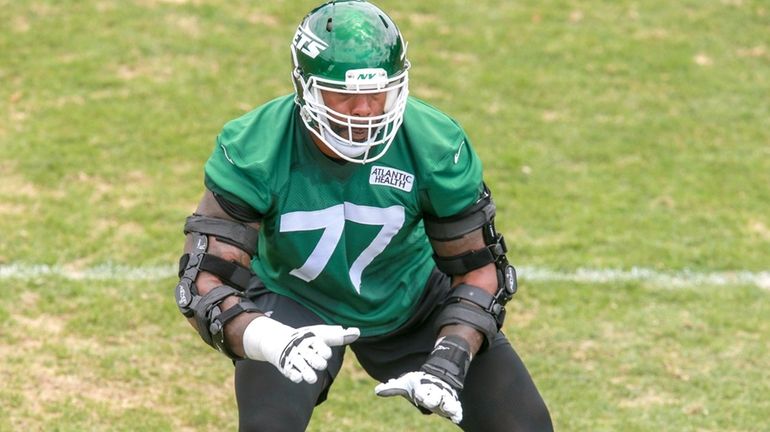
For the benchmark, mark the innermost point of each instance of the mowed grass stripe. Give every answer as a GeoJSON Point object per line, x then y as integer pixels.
{"type": "Point", "coordinates": [678, 278]}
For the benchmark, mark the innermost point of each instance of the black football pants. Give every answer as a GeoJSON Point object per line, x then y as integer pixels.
{"type": "Point", "coordinates": [499, 394]}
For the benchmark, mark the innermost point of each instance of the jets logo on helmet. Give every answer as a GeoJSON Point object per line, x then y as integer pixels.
{"type": "Point", "coordinates": [308, 43]}
{"type": "Point", "coordinates": [350, 47]}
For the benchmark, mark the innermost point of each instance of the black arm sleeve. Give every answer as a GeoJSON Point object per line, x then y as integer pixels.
{"type": "Point", "coordinates": [238, 212]}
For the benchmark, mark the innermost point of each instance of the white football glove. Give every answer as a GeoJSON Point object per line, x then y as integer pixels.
{"type": "Point", "coordinates": [427, 391]}
{"type": "Point", "coordinates": [297, 352]}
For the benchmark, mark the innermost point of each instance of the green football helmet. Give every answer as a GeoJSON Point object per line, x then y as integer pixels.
{"type": "Point", "coordinates": [350, 47]}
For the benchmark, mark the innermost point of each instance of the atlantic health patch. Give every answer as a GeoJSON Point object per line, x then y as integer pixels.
{"type": "Point", "coordinates": [391, 177]}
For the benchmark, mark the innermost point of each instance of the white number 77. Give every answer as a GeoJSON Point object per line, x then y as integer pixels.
{"type": "Point", "coordinates": [332, 221]}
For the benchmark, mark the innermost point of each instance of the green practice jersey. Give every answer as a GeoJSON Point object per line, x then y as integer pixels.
{"type": "Point", "coordinates": [345, 240]}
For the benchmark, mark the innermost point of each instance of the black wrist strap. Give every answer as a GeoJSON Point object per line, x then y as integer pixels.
{"type": "Point", "coordinates": [449, 360]}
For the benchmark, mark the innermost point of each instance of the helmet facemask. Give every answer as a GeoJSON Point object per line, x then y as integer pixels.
{"type": "Point", "coordinates": [350, 137]}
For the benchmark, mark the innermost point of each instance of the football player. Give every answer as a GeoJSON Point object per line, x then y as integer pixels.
{"type": "Point", "coordinates": [349, 214]}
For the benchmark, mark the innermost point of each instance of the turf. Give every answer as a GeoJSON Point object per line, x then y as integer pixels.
{"type": "Point", "coordinates": [614, 135]}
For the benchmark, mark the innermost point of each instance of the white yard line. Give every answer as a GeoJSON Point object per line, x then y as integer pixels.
{"type": "Point", "coordinates": [113, 272]}
{"type": "Point", "coordinates": [680, 278]}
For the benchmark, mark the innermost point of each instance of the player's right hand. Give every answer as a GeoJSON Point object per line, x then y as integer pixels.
{"type": "Point", "coordinates": [297, 352]}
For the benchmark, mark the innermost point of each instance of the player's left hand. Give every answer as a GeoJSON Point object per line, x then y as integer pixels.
{"type": "Point", "coordinates": [427, 391]}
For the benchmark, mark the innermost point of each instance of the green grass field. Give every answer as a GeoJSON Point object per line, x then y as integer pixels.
{"type": "Point", "coordinates": [615, 135]}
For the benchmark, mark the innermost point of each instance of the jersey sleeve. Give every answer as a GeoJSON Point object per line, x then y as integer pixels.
{"type": "Point", "coordinates": [455, 180]}
{"type": "Point", "coordinates": [228, 174]}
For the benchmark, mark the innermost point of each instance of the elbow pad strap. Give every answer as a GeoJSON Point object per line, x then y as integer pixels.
{"type": "Point", "coordinates": [481, 213]}
{"type": "Point", "coordinates": [199, 228]}
{"type": "Point", "coordinates": [461, 264]}
{"type": "Point", "coordinates": [198, 260]}
{"type": "Point", "coordinates": [211, 320]}
{"type": "Point", "coordinates": [228, 271]}
{"type": "Point", "coordinates": [231, 232]}
{"type": "Point", "coordinates": [470, 315]}
{"type": "Point", "coordinates": [474, 307]}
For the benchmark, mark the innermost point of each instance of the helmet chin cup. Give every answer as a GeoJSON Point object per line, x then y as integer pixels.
{"type": "Point", "coordinates": [343, 146]}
